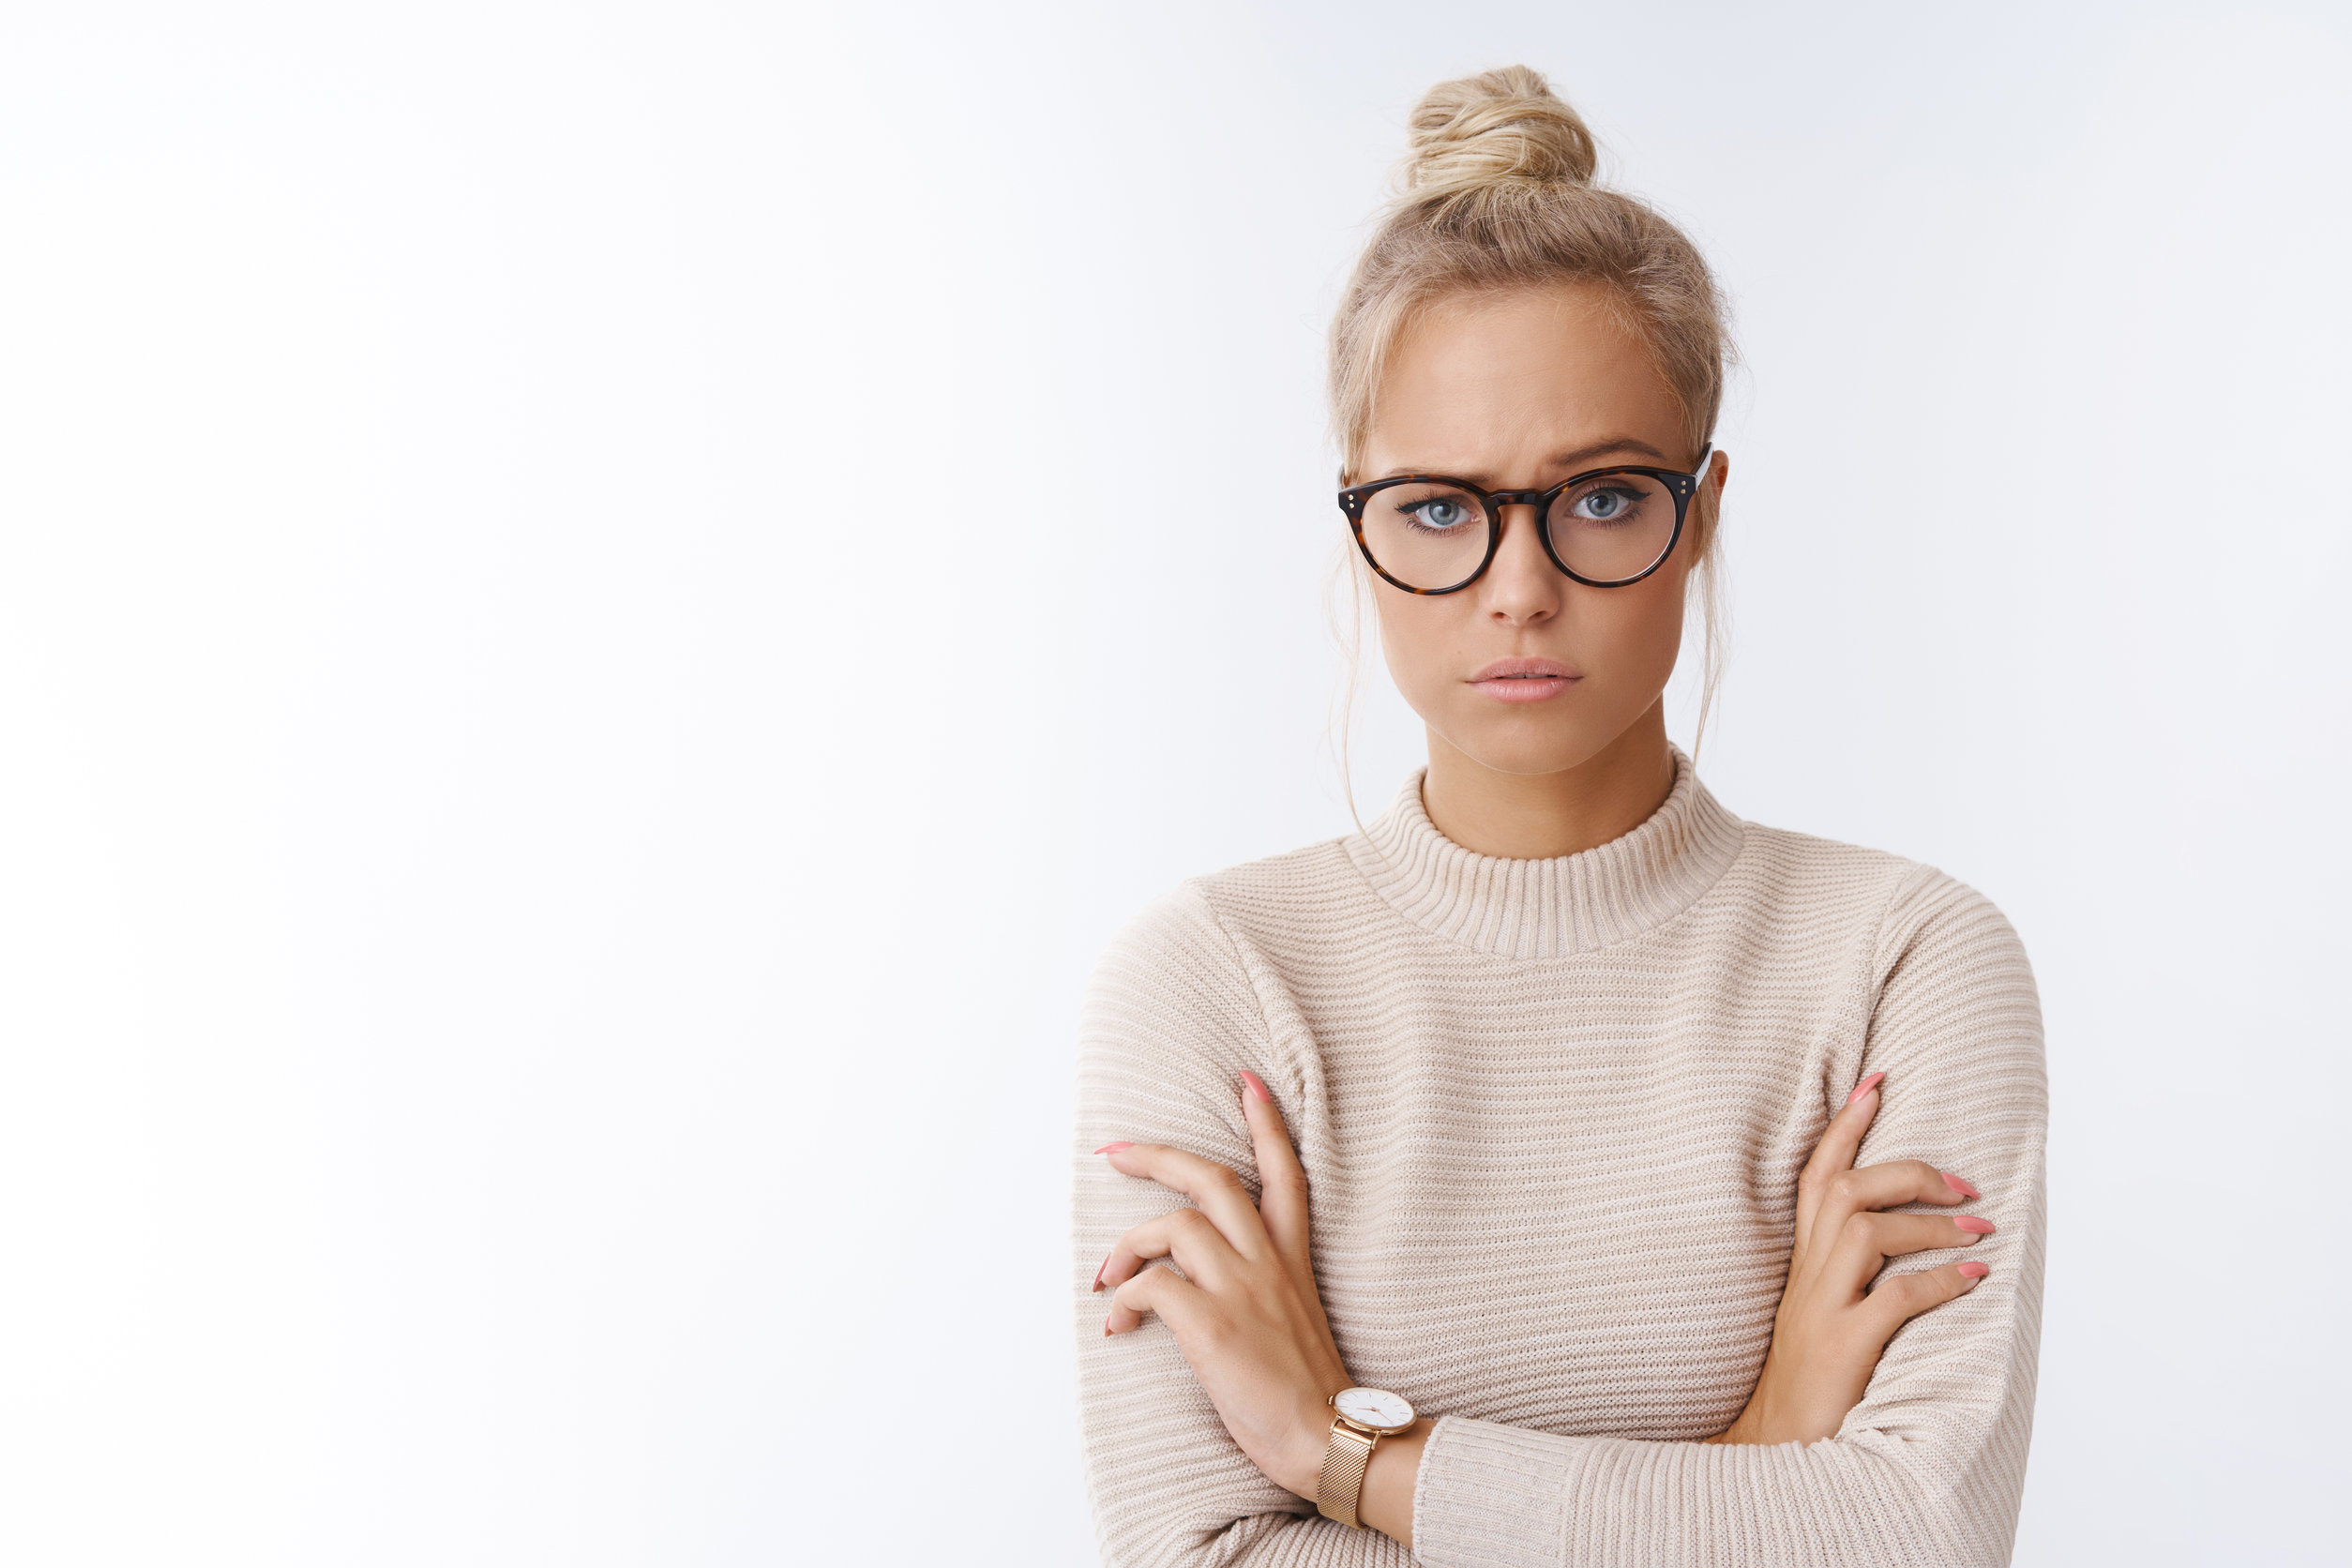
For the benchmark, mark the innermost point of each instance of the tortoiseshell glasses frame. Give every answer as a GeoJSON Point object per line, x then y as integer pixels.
{"type": "Point", "coordinates": [1683, 486]}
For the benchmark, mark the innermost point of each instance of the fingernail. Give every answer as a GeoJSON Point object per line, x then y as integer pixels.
{"type": "Point", "coordinates": [1864, 1086]}
{"type": "Point", "coordinates": [1105, 1325]}
{"type": "Point", "coordinates": [1256, 1085]}
{"type": "Point", "coordinates": [1968, 1270]}
{"type": "Point", "coordinates": [1974, 1226]}
{"type": "Point", "coordinates": [1962, 1186]}
{"type": "Point", "coordinates": [1098, 1272]}
{"type": "Point", "coordinates": [1113, 1148]}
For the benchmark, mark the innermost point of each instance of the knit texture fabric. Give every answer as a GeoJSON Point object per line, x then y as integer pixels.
{"type": "Point", "coordinates": [1552, 1115]}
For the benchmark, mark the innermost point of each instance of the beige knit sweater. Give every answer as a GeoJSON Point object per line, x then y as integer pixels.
{"type": "Point", "coordinates": [1552, 1113]}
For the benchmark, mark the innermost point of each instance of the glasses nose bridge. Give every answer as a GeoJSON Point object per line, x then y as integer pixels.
{"type": "Point", "coordinates": [1532, 499]}
{"type": "Point", "coordinates": [1533, 537]}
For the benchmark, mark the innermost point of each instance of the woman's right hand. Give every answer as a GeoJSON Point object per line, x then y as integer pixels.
{"type": "Point", "coordinates": [1831, 1328]}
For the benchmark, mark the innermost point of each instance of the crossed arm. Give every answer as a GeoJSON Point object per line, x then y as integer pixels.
{"type": "Point", "coordinates": [1250, 1323]}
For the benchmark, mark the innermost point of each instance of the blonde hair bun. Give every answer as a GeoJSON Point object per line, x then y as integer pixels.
{"type": "Point", "coordinates": [1498, 126]}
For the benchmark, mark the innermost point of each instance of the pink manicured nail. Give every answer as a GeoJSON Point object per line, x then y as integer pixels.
{"type": "Point", "coordinates": [1113, 1148]}
{"type": "Point", "coordinates": [1098, 1272]}
{"type": "Point", "coordinates": [1968, 1270]}
{"type": "Point", "coordinates": [1864, 1086]}
{"type": "Point", "coordinates": [1973, 1225]}
{"type": "Point", "coordinates": [1256, 1085]}
{"type": "Point", "coordinates": [1105, 1325]}
{"type": "Point", "coordinates": [1962, 1186]}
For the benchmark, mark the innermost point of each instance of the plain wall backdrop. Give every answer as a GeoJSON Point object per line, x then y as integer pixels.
{"type": "Point", "coordinates": [603, 606]}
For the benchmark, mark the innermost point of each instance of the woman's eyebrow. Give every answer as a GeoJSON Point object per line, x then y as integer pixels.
{"type": "Point", "coordinates": [1606, 448]}
{"type": "Point", "coordinates": [1407, 470]}
{"type": "Point", "coordinates": [1569, 460]}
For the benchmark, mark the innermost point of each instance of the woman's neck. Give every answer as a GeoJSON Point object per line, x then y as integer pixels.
{"type": "Point", "coordinates": [1542, 816]}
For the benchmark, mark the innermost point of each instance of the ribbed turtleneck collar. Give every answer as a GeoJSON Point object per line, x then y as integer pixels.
{"type": "Point", "coordinates": [1549, 909]}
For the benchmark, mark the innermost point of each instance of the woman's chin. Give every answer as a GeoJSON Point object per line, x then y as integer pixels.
{"type": "Point", "coordinates": [1532, 740]}
{"type": "Point", "coordinates": [1511, 749]}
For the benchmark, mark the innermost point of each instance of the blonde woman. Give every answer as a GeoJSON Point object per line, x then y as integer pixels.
{"type": "Point", "coordinates": [1560, 1170]}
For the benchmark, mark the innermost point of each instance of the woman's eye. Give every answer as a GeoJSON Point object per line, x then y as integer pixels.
{"type": "Point", "coordinates": [1605, 506]}
{"type": "Point", "coordinates": [1441, 513]}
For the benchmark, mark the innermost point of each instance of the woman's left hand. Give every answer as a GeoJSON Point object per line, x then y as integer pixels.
{"type": "Point", "coordinates": [1245, 1311]}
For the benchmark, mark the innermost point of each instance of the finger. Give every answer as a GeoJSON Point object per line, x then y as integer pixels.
{"type": "Point", "coordinates": [1840, 1141]}
{"type": "Point", "coordinates": [1282, 1199]}
{"type": "Point", "coordinates": [1281, 1179]}
{"type": "Point", "coordinates": [1155, 1291]}
{"type": "Point", "coordinates": [1904, 1297]}
{"type": "Point", "coordinates": [1185, 1235]}
{"type": "Point", "coordinates": [1214, 1189]}
{"type": "Point", "coordinates": [1883, 1186]}
{"type": "Point", "coordinates": [1867, 1240]}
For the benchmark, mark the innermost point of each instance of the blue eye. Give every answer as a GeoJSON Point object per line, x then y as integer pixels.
{"type": "Point", "coordinates": [1606, 503]}
{"type": "Point", "coordinates": [1441, 512]}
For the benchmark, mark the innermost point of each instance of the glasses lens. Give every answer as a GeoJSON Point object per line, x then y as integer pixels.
{"type": "Point", "coordinates": [1425, 536]}
{"type": "Point", "coordinates": [1613, 526]}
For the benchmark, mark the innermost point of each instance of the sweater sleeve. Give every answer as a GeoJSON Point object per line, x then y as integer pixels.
{"type": "Point", "coordinates": [1929, 1466]}
{"type": "Point", "coordinates": [1170, 1023]}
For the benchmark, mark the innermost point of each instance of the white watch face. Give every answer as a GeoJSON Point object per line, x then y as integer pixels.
{"type": "Point", "coordinates": [1375, 1408]}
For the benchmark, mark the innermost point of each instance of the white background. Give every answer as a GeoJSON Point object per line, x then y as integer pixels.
{"type": "Point", "coordinates": [602, 607]}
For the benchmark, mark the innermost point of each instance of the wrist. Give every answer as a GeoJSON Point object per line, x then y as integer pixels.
{"type": "Point", "coordinates": [1738, 1432]}
{"type": "Point", "coordinates": [1386, 1501]}
{"type": "Point", "coordinates": [1303, 1457]}
{"type": "Point", "coordinates": [1754, 1423]}
{"type": "Point", "coordinates": [1384, 1497]}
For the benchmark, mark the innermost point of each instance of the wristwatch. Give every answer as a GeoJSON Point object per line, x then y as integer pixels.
{"type": "Point", "coordinates": [1366, 1416]}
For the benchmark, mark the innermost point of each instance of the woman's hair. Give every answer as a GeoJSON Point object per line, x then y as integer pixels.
{"type": "Point", "coordinates": [1497, 194]}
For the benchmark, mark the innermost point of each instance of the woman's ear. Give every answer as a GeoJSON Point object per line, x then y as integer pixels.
{"type": "Point", "coordinates": [1707, 504]}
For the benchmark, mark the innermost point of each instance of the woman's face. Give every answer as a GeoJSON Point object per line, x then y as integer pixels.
{"type": "Point", "coordinates": [1521, 391]}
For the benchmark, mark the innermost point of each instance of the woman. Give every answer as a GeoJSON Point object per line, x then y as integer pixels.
{"type": "Point", "coordinates": [1610, 1107]}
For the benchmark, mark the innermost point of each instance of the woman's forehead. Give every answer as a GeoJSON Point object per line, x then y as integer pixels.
{"type": "Point", "coordinates": [1530, 378]}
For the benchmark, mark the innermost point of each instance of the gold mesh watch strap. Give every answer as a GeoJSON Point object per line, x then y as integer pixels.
{"type": "Point", "coordinates": [1342, 1480]}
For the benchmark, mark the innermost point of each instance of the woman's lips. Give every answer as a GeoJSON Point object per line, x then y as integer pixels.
{"type": "Point", "coordinates": [1525, 680]}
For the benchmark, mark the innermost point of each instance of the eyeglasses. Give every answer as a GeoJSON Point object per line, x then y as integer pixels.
{"type": "Point", "coordinates": [1427, 534]}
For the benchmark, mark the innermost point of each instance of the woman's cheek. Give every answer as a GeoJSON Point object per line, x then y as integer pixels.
{"type": "Point", "coordinates": [1648, 639]}
{"type": "Point", "coordinates": [1422, 644]}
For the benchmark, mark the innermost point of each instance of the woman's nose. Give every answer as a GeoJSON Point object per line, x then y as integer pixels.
{"type": "Point", "coordinates": [1523, 585]}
